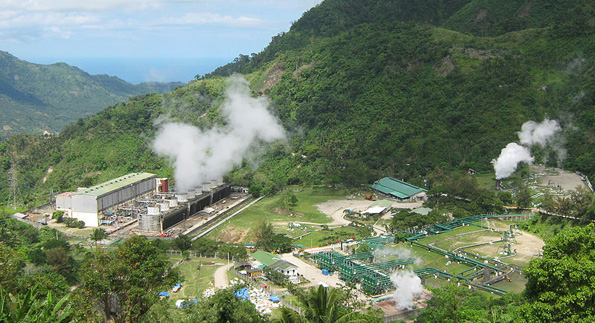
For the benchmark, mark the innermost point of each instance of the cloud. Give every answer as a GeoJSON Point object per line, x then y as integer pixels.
{"type": "Point", "coordinates": [77, 5]}
{"type": "Point", "coordinates": [211, 18]}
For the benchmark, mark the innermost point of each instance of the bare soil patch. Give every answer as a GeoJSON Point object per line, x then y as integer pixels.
{"type": "Point", "coordinates": [335, 208]}
{"type": "Point", "coordinates": [233, 234]}
{"type": "Point", "coordinates": [554, 177]}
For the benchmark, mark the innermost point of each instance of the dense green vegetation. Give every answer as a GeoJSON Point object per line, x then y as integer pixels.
{"type": "Point", "coordinates": [416, 90]}
{"type": "Point", "coordinates": [34, 97]}
{"type": "Point", "coordinates": [362, 96]}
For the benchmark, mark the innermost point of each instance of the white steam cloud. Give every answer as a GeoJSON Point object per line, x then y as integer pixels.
{"type": "Point", "coordinates": [532, 133]}
{"type": "Point", "coordinates": [399, 253]}
{"type": "Point", "coordinates": [201, 156]}
{"type": "Point", "coordinates": [408, 288]}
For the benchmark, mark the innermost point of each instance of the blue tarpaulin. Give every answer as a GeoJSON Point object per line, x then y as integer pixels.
{"type": "Point", "coordinates": [274, 299]}
{"type": "Point", "coordinates": [166, 294]}
{"type": "Point", "coordinates": [243, 294]}
{"type": "Point", "coordinates": [325, 272]}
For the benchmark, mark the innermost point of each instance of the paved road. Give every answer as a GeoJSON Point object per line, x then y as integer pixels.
{"type": "Point", "coordinates": [310, 272]}
{"type": "Point", "coordinates": [220, 276]}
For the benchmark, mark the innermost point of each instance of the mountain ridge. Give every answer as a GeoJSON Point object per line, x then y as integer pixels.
{"type": "Point", "coordinates": [38, 97]}
{"type": "Point", "coordinates": [404, 99]}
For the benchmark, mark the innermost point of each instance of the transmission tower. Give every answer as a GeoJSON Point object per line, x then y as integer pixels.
{"type": "Point", "coordinates": [14, 187]}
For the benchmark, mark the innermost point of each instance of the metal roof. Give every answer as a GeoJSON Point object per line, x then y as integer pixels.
{"type": "Point", "coordinates": [395, 187]}
{"type": "Point", "coordinates": [282, 265]}
{"type": "Point", "coordinates": [265, 258]}
{"type": "Point", "coordinates": [115, 184]}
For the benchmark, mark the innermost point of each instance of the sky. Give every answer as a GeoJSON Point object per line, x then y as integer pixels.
{"type": "Point", "coordinates": [143, 40]}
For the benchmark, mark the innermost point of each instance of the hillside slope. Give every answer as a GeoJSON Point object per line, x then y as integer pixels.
{"type": "Point", "coordinates": [364, 99]}
{"type": "Point", "coordinates": [34, 97]}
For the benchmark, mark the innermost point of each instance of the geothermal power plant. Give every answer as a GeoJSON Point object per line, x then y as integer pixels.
{"type": "Point", "coordinates": [139, 197]}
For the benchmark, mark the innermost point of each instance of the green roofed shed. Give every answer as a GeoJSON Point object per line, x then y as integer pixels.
{"type": "Point", "coordinates": [397, 188]}
{"type": "Point", "coordinates": [265, 258]}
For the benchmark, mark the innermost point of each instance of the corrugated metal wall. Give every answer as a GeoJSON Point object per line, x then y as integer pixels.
{"type": "Point", "coordinates": [127, 193]}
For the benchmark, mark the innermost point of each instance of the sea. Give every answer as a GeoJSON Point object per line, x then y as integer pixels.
{"type": "Point", "coordinates": [138, 70]}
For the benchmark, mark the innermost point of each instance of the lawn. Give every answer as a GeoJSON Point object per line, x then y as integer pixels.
{"type": "Point", "coordinates": [194, 281]}
{"type": "Point", "coordinates": [269, 210]}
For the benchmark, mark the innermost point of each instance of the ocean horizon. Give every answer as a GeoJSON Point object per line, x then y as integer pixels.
{"type": "Point", "coordinates": [138, 70]}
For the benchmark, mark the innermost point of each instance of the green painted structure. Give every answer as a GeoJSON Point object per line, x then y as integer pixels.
{"type": "Point", "coordinates": [396, 188]}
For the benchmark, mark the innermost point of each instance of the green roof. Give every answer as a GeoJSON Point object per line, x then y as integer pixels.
{"type": "Point", "coordinates": [397, 188]}
{"type": "Point", "coordinates": [115, 184]}
{"type": "Point", "coordinates": [265, 258]}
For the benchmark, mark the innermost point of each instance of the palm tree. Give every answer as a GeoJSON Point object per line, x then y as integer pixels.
{"type": "Point", "coordinates": [98, 235]}
{"type": "Point", "coordinates": [324, 305]}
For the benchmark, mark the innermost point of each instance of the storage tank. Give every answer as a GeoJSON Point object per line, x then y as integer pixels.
{"type": "Point", "coordinates": [191, 194]}
{"type": "Point", "coordinates": [163, 207]}
{"type": "Point", "coordinates": [172, 203]}
{"type": "Point", "coordinates": [152, 210]}
{"type": "Point", "coordinates": [206, 187]}
{"type": "Point", "coordinates": [164, 185]}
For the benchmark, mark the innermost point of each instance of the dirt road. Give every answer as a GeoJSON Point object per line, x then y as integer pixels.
{"type": "Point", "coordinates": [335, 208]}
{"type": "Point", "coordinates": [220, 276]}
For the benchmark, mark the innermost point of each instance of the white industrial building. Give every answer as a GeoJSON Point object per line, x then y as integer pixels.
{"type": "Point", "coordinates": [86, 204]}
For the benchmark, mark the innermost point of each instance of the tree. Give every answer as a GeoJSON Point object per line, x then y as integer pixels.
{"type": "Point", "coordinates": [183, 242]}
{"type": "Point", "coordinates": [59, 260]}
{"type": "Point", "coordinates": [124, 283]}
{"type": "Point", "coordinates": [288, 199]}
{"type": "Point", "coordinates": [559, 286]}
{"type": "Point", "coordinates": [98, 235]}
{"type": "Point", "coordinates": [281, 243]}
{"type": "Point", "coordinates": [523, 198]}
{"type": "Point", "coordinates": [264, 235]}
{"type": "Point", "coordinates": [224, 306]}
{"type": "Point", "coordinates": [454, 304]}
{"type": "Point", "coordinates": [324, 305]}
{"type": "Point", "coordinates": [364, 247]}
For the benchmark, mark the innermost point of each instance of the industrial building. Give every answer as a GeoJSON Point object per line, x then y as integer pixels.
{"type": "Point", "coordinates": [400, 190]}
{"type": "Point", "coordinates": [166, 210]}
{"type": "Point", "coordinates": [87, 204]}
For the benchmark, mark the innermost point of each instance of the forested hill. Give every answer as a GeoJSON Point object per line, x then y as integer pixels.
{"type": "Point", "coordinates": [368, 89]}
{"type": "Point", "coordinates": [35, 97]}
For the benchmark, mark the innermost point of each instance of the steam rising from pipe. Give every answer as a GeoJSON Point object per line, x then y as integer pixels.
{"type": "Point", "coordinates": [408, 288]}
{"type": "Point", "coordinates": [199, 156]}
{"type": "Point", "coordinates": [532, 133]}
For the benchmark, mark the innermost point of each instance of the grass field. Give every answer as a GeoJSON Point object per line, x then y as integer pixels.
{"type": "Point", "coordinates": [240, 228]}
{"type": "Point", "coordinates": [194, 281]}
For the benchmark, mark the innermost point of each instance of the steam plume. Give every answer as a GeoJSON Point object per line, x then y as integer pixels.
{"type": "Point", "coordinates": [200, 156]}
{"type": "Point", "coordinates": [408, 288]}
{"type": "Point", "coordinates": [532, 133]}
{"type": "Point", "coordinates": [510, 157]}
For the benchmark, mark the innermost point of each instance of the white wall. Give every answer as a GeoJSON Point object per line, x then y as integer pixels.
{"type": "Point", "coordinates": [90, 219]}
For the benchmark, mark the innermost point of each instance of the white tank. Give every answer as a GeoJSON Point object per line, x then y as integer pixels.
{"type": "Point", "coordinates": [206, 187]}
{"type": "Point", "coordinates": [191, 194]}
{"type": "Point", "coordinates": [152, 210]}
{"type": "Point", "coordinates": [164, 207]}
{"type": "Point", "coordinates": [182, 197]}
{"type": "Point", "coordinates": [172, 203]}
